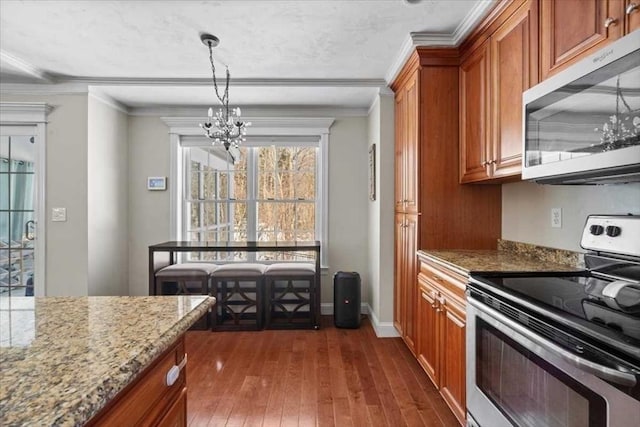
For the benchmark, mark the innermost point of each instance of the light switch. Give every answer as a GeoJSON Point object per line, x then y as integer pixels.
{"type": "Point", "coordinates": [58, 214]}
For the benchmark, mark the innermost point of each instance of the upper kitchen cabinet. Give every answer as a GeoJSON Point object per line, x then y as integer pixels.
{"type": "Point", "coordinates": [407, 146]}
{"type": "Point", "coordinates": [572, 29]}
{"type": "Point", "coordinates": [631, 15]}
{"type": "Point", "coordinates": [493, 76]}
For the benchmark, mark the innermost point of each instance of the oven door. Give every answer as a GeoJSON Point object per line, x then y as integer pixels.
{"type": "Point", "coordinates": [516, 378]}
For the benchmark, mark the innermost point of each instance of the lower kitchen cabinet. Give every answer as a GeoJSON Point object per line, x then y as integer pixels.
{"type": "Point", "coordinates": [149, 400]}
{"type": "Point", "coordinates": [440, 347]}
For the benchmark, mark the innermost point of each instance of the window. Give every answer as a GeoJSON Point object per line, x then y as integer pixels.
{"type": "Point", "coordinates": [275, 189]}
{"type": "Point", "coordinates": [268, 194]}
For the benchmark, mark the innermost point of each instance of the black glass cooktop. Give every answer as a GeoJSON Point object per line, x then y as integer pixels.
{"type": "Point", "coordinates": [577, 295]}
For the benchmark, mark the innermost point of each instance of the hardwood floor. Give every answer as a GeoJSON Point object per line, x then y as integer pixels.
{"type": "Point", "coordinates": [330, 377]}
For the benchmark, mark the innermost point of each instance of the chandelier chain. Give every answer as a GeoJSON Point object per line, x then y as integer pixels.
{"type": "Point", "coordinates": [225, 97]}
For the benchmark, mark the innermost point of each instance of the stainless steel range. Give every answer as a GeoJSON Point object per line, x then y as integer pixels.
{"type": "Point", "coordinates": [560, 349]}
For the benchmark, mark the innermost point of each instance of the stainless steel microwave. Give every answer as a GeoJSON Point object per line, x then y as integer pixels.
{"type": "Point", "coordinates": [582, 126]}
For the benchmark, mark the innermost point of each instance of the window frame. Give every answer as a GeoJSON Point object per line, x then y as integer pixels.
{"type": "Point", "coordinates": [264, 131]}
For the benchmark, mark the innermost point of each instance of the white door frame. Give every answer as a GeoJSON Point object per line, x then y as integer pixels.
{"type": "Point", "coordinates": [20, 118]}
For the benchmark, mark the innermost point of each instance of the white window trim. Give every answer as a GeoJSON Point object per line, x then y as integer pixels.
{"type": "Point", "coordinates": [264, 126]}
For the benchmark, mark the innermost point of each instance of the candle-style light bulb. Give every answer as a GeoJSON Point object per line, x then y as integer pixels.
{"type": "Point", "coordinates": [210, 113]}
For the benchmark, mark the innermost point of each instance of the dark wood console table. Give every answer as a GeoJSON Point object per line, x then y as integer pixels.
{"type": "Point", "coordinates": [173, 247]}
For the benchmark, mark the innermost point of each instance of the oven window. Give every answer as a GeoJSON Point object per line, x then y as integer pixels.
{"type": "Point", "coordinates": [528, 390]}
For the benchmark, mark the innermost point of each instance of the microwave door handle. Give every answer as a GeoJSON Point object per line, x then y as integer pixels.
{"type": "Point", "coordinates": [549, 348]}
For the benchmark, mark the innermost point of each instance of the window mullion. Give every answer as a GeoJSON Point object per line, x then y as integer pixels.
{"type": "Point", "coordinates": [252, 209]}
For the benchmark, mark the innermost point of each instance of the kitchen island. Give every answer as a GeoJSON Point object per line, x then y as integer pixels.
{"type": "Point", "coordinates": [64, 359]}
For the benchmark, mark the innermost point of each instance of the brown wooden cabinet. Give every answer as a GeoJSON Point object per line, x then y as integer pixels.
{"type": "Point", "coordinates": [440, 347]}
{"type": "Point", "coordinates": [493, 76]}
{"type": "Point", "coordinates": [148, 400]}
{"type": "Point", "coordinates": [631, 15]}
{"type": "Point", "coordinates": [406, 208]}
{"type": "Point", "coordinates": [474, 116]}
{"type": "Point", "coordinates": [572, 29]}
{"type": "Point", "coordinates": [433, 210]}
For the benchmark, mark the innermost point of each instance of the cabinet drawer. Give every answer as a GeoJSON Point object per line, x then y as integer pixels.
{"type": "Point", "coordinates": [447, 280]}
{"type": "Point", "coordinates": [149, 396]}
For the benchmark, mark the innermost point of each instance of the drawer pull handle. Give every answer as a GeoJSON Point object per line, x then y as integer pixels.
{"type": "Point", "coordinates": [631, 7]}
{"type": "Point", "coordinates": [609, 22]}
{"type": "Point", "coordinates": [174, 373]}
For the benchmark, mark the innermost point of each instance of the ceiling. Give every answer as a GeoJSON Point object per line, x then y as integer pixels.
{"type": "Point", "coordinates": [279, 52]}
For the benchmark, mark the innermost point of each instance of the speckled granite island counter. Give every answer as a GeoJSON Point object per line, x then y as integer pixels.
{"type": "Point", "coordinates": [510, 256]}
{"type": "Point", "coordinates": [62, 359]}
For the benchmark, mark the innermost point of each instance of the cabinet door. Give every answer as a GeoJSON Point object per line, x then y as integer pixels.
{"type": "Point", "coordinates": [411, 154]}
{"type": "Point", "coordinates": [427, 328]}
{"type": "Point", "coordinates": [400, 118]}
{"type": "Point", "coordinates": [514, 69]}
{"type": "Point", "coordinates": [453, 369]}
{"type": "Point", "coordinates": [632, 15]}
{"type": "Point", "coordinates": [399, 275]}
{"type": "Point", "coordinates": [177, 414]}
{"type": "Point", "coordinates": [411, 282]}
{"type": "Point", "coordinates": [474, 79]}
{"type": "Point", "coordinates": [571, 29]}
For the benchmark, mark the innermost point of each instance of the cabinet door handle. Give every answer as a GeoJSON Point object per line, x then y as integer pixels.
{"type": "Point", "coordinates": [631, 7]}
{"type": "Point", "coordinates": [609, 22]}
{"type": "Point", "coordinates": [174, 373]}
{"type": "Point", "coordinates": [442, 300]}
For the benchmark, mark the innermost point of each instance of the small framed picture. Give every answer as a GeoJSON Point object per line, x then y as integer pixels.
{"type": "Point", "coordinates": [157, 183]}
{"type": "Point", "coordinates": [372, 172]}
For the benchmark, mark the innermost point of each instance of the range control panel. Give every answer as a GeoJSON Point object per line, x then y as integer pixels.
{"type": "Point", "coordinates": [613, 234]}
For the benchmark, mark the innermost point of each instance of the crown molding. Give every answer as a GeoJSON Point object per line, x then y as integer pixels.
{"type": "Point", "coordinates": [21, 112]}
{"type": "Point", "coordinates": [473, 18]}
{"type": "Point", "coordinates": [470, 21]}
{"type": "Point", "coordinates": [253, 111]}
{"type": "Point", "coordinates": [25, 67]}
{"type": "Point", "coordinates": [383, 91]}
{"type": "Point", "coordinates": [108, 100]}
{"type": "Point", "coordinates": [83, 81]}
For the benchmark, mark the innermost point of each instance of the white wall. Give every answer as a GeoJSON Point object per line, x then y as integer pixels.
{"type": "Point", "coordinates": [107, 208]}
{"type": "Point", "coordinates": [526, 210]}
{"type": "Point", "coordinates": [66, 186]}
{"type": "Point", "coordinates": [381, 238]}
{"type": "Point", "coordinates": [348, 206]}
{"type": "Point", "coordinates": [148, 155]}
{"type": "Point", "coordinates": [348, 192]}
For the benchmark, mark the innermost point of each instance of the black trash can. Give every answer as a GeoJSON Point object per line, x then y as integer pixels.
{"type": "Point", "coordinates": [346, 299]}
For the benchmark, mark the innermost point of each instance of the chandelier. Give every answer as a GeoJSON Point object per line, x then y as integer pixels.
{"type": "Point", "coordinates": [226, 127]}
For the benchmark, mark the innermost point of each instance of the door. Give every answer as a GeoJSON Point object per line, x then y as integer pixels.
{"type": "Point", "coordinates": [19, 211]}
{"type": "Point", "coordinates": [514, 69]}
{"type": "Point", "coordinates": [410, 279]}
{"type": "Point", "coordinates": [399, 275]}
{"type": "Point", "coordinates": [427, 330]}
{"type": "Point", "coordinates": [571, 29]}
{"type": "Point", "coordinates": [474, 102]}
{"type": "Point", "coordinates": [452, 375]}
{"type": "Point", "coordinates": [411, 153]}
{"type": "Point", "coordinates": [632, 15]}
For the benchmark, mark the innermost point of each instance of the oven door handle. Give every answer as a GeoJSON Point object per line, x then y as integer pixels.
{"type": "Point", "coordinates": [603, 372]}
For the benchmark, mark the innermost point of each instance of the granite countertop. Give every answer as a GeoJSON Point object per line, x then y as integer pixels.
{"type": "Point", "coordinates": [510, 256]}
{"type": "Point", "coordinates": [62, 359]}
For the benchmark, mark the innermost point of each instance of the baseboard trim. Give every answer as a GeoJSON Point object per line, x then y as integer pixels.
{"type": "Point", "coordinates": [382, 329]}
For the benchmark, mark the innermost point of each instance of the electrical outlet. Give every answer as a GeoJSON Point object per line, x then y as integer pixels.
{"type": "Point", "coordinates": [556, 217]}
